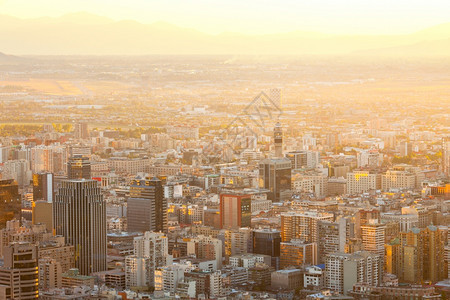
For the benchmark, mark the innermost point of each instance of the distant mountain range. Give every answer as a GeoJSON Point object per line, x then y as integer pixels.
{"type": "Point", "coordinates": [84, 33]}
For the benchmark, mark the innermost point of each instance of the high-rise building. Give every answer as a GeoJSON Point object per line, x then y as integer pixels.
{"type": "Point", "coordinates": [298, 159]}
{"type": "Point", "coordinates": [79, 167]}
{"type": "Point", "coordinates": [302, 225]}
{"type": "Point", "coordinates": [50, 274]}
{"type": "Point", "coordinates": [275, 175]}
{"type": "Point", "coordinates": [18, 170]}
{"type": "Point", "coordinates": [10, 202]}
{"type": "Point", "coordinates": [419, 255]}
{"type": "Point", "coordinates": [206, 247]}
{"type": "Point", "coordinates": [42, 213]}
{"type": "Point", "coordinates": [81, 131]}
{"type": "Point", "coordinates": [297, 253]}
{"type": "Point", "coordinates": [20, 271]}
{"type": "Point", "coordinates": [278, 140]}
{"type": "Point", "coordinates": [51, 159]}
{"type": "Point", "coordinates": [446, 155]}
{"type": "Point", "coordinates": [43, 187]}
{"type": "Point", "coordinates": [147, 207]}
{"type": "Point", "coordinates": [79, 214]}
{"type": "Point", "coordinates": [343, 270]}
{"type": "Point", "coordinates": [235, 211]}
{"type": "Point", "coordinates": [332, 238]}
{"type": "Point", "coordinates": [267, 241]}
{"type": "Point", "coordinates": [373, 238]}
{"type": "Point", "coordinates": [150, 252]}
{"type": "Point", "coordinates": [238, 241]}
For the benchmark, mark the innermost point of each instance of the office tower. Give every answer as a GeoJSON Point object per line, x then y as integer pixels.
{"type": "Point", "coordinates": [20, 271]}
{"type": "Point", "coordinates": [302, 225]}
{"type": "Point", "coordinates": [81, 131]}
{"type": "Point", "coordinates": [267, 241]}
{"type": "Point", "coordinates": [297, 253]}
{"type": "Point", "coordinates": [278, 140]}
{"type": "Point", "coordinates": [373, 238]}
{"type": "Point", "coordinates": [147, 207]}
{"type": "Point", "coordinates": [275, 176]}
{"type": "Point", "coordinates": [343, 270]}
{"type": "Point", "coordinates": [362, 181]}
{"type": "Point", "coordinates": [10, 202]}
{"type": "Point", "coordinates": [43, 187]}
{"type": "Point", "coordinates": [332, 238]}
{"type": "Point", "coordinates": [235, 211]}
{"type": "Point", "coordinates": [150, 252]}
{"type": "Point", "coordinates": [298, 159]}
{"type": "Point", "coordinates": [206, 247]}
{"type": "Point", "coordinates": [42, 213]}
{"type": "Point", "coordinates": [79, 167]}
{"type": "Point", "coordinates": [79, 214]}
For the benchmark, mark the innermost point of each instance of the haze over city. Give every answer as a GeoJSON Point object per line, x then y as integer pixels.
{"type": "Point", "coordinates": [224, 149]}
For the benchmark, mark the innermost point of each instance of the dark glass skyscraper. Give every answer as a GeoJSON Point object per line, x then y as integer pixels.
{"type": "Point", "coordinates": [147, 207]}
{"type": "Point", "coordinates": [79, 214]}
{"type": "Point", "coordinates": [79, 167]}
{"type": "Point", "coordinates": [10, 204]}
{"type": "Point", "coordinates": [275, 175]}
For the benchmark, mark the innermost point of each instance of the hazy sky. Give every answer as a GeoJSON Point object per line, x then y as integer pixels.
{"type": "Point", "coordinates": [255, 16]}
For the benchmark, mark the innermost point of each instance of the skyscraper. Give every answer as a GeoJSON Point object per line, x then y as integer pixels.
{"type": "Point", "coordinates": [147, 207]}
{"type": "Point", "coordinates": [150, 252]}
{"type": "Point", "coordinates": [332, 237]}
{"type": "Point", "coordinates": [20, 271]}
{"type": "Point", "coordinates": [10, 203]}
{"type": "Point", "coordinates": [43, 185]}
{"type": "Point", "coordinates": [79, 167]}
{"type": "Point", "coordinates": [275, 175]}
{"type": "Point", "coordinates": [79, 214]}
{"type": "Point", "coordinates": [81, 131]}
{"type": "Point", "coordinates": [344, 270]}
{"type": "Point", "coordinates": [235, 211]}
{"type": "Point", "coordinates": [302, 225]}
{"type": "Point", "coordinates": [278, 140]}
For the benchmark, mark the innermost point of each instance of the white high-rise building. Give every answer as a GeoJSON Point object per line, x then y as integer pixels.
{"type": "Point", "coordinates": [150, 252]}
{"type": "Point", "coordinates": [343, 270]}
{"type": "Point", "coordinates": [167, 278]}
